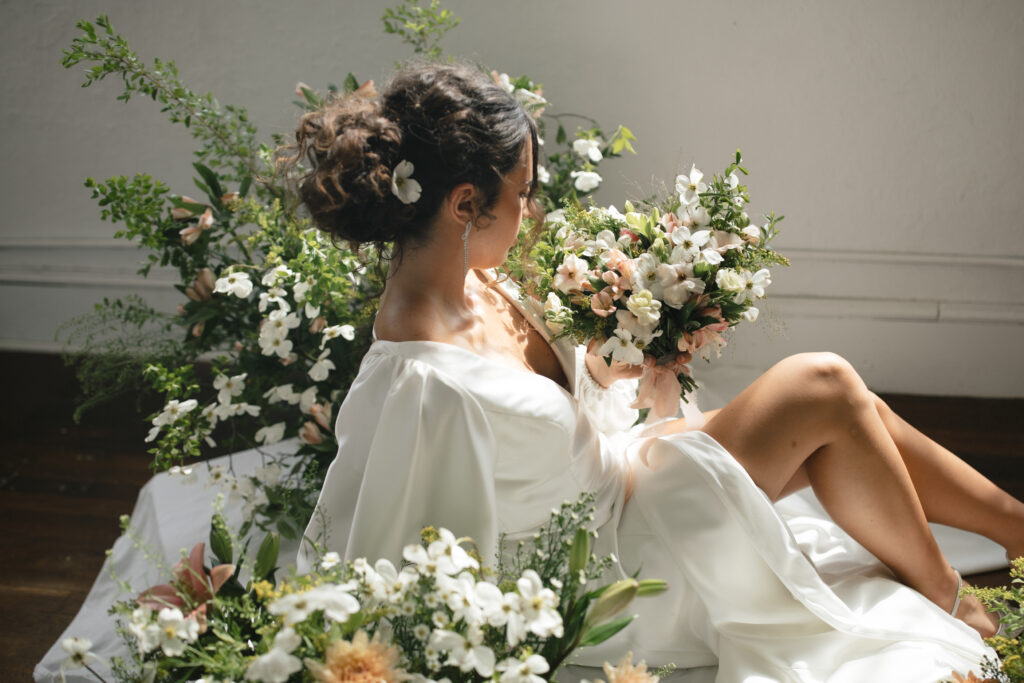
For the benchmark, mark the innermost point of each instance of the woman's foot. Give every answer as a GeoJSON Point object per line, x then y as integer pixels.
{"type": "Point", "coordinates": [972, 612]}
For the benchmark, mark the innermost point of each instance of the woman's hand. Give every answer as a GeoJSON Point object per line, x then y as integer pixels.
{"type": "Point", "coordinates": [605, 374]}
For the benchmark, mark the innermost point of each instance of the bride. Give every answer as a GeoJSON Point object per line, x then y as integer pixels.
{"type": "Point", "coordinates": [466, 414]}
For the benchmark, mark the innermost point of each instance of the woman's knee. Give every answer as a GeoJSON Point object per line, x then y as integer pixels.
{"type": "Point", "coordinates": [829, 377]}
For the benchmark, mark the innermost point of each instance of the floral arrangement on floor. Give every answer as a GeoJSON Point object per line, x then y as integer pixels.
{"type": "Point", "coordinates": [1008, 603]}
{"type": "Point", "coordinates": [440, 616]}
{"type": "Point", "coordinates": [660, 283]}
{"type": "Point", "coordinates": [274, 320]}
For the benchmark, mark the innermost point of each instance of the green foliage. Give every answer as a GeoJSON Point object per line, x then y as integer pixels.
{"type": "Point", "coordinates": [1008, 603]}
{"type": "Point", "coordinates": [419, 26]}
{"type": "Point", "coordinates": [227, 138]}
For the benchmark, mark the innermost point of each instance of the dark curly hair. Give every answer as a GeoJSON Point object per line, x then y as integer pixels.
{"type": "Point", "coordinates": [451, 121]}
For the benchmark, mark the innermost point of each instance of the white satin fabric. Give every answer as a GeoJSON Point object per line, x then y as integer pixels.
{"type": "Point", "coordinates": [431, 433]}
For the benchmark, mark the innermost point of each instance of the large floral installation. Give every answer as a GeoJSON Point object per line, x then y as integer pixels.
{"type": "Point", "coordinates": [274, 318]}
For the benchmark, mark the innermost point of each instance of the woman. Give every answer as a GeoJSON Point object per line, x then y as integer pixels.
{"type": "Point", "coordinates": [465, 415]}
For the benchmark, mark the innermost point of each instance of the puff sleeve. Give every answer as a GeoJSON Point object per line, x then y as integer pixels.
{"type": "Point", "coordinates": [414, 448]}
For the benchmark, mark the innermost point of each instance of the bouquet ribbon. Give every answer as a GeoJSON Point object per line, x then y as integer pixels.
{"type": "Point", "coordinates": [660, 389]}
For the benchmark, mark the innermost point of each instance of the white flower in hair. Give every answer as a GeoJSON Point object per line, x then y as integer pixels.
{"type": "Point", "coordinates": [403, 185]}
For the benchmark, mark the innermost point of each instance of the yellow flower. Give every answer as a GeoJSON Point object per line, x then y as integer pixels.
{"type": "Point", "coordinates": [627, 672]}
{"type": "Point", "coordinates": [264, 590]}
{"type": "Point", "coordinates": [360, 661]}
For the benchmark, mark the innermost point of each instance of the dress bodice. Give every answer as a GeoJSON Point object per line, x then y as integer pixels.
{"type": "Point", "coordinates": [431, 433]}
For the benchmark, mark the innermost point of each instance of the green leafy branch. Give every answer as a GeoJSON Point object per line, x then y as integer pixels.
{"type": "Point", "coordinates": [420, 27]}
{"type": "Point", "coordinates": [227, 136]}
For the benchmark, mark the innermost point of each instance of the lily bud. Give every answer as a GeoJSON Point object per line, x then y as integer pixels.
{"type": "Point", "coordinates": [205, 282]}
{"type": "Point", "coordinates": [299, 87]}
{"type": "Point", "coordinates": [310, 434]}
{"type": "Point", "coordinates": [228, 197]}
{"type": "Point", "coordinates": [318, 325]}
{"type": "Point", "coordinates": [181, 309]}
{"type": "Point", "coordinates": [191, 293]}
{"type": "Point", "coordinates": [650, 587]}
{"type": "Point", "coordinates": [322, 414]}
{"type": "Point", "coordinates": [180, 213]}
{"type": "Point", "coordinates": [238, 346]}
{"type": "Point", "coordinates": [206, 220]}
{"type": "Point", "coordinates": [190, 234]}
{"type": "Point", "coordinates": [612, 601]}
{"type": "Point", "coordinates": [197, 329]}
{"type": "Point", "coordinates": [367, 90]}
{"type": "Point", "coordinates": [580, 551]}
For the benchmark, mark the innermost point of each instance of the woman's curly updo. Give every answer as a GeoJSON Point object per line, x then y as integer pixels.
{"type": "Point", "coordinates": [450, 121]}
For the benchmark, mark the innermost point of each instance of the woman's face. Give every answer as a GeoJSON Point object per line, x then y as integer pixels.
{"type": "Point", "coordinates": [497, 236]}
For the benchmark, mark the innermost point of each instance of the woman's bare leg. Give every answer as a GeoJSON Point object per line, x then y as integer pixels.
{"type": "Point", "coordinates": [951, 491]}
{"type": "Point", "coordinates": [811, 415]}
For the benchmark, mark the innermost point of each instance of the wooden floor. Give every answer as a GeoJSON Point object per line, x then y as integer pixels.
{"type": "Point", "coordinates": [64, 485]}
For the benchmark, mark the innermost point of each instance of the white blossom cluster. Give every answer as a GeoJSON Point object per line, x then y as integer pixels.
{"type": "Point", "coordinates": [453, 611]}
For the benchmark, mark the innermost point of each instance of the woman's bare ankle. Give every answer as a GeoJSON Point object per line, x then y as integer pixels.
{"type": "Point", "coordinates": [972, 612]}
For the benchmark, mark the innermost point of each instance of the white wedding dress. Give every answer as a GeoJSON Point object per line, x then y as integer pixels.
{"type": "Point", "coordinates": [433, 434]}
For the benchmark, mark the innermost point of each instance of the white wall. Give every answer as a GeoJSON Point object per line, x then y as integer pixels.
{"type": "Point", "coordinates": [889, 134]}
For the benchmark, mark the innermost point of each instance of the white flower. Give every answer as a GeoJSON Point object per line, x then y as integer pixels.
{"type": "Point", "coordinates": [229, 387]}
{"type": "Point", "coordinates": [279, 345]}
{"type": "Point", "coordinates": [516, 671]}
{"type": "Point", "coordinates": [543, 176]}
{"type": "Point", "coordinates": [571, 275]}
{"type": "Point", "coordinates": [387, 584]}
{"type": "Point", "coordinates": [603, 241]}
{"type": "Point", "coordinates": [269, 475]}
{"type": "Point", "coordinates": [678, 282]}
{"type": "Point", "coordinates": [277, 665]}
{"type": "Point", "coordinates": [462, 653]}
{"type": "Point", "coordinates": [555, 314]}
{"type": "Point", "coordinates": [730, 280]}
{"type": "Point", "coordinates": [585, 181]}
{"type": "Point", "coordinates": [311, 311]}
{"type": "Point", "coordinates": [506, 83]}
{"type": "Point", "coordinates": [284, 392]}
{"type": "Point", "coordinates": [402, 184]}
{"type": "Point", "coordinates": [274, 295]}
{"type": "Point", "coordinates": [277, 275]}
{"type": "Point", "coordinates": [270, 434]}
{"type": "Point", "coordinates": [306, 400]}
{"type": "Point", "coordinates": [301, 288]}
{"type": "Point", "coordinates": [750, 315]}
{"type": "Point", "coordinates": [334, 331]}
{"type": "Point", "coordinates": [689, 187]}
{"type": "Point", "coordinates": [643, 333]}
{"type": "Point", "coordinates": [175, 631]}
{"type": "Point", "coordinates": [556, 217]}
{"type": "Point", "coordinates": [145, 630]}
{"type": "Point", "coordinates": [444, 556]}
{"type": "Point", "coordinates": [752, 233]}
{"type": "Point", "coordinates": [687, 243]}
{"type": "Point", "coordinates": [588, 149]}
{"type": "Point", "coordinates": [528, 99]}
{"type": "Point", "coordinates": [334, 599]}
{"type": "Point", "coordinates": [622, 348]}
{"type": "Point", "coordinates": [723, 240]}
{"type": "Point", "coordinates": [329, 560]}
{"type": "Point", "coordinates": [78, 653]}
{"type": "Point", "coordinates": [226, 410]}
{"type": "Point", "coordinates": [539, 604]}
{"type": "Point", "coordinates": [322, 367]}
{"type": "Point", "coordinates": [645, 307]}
{"type": "Point", "coordinates": [645, 273]}
{"type": "Point", "coordinates": [238, 284]}
{"type": "Point", "coordinates": [171, 413]}
{"type": "Point", "coordinates": [753, 285]}
{"type": "Point", "coordinates": [421, 631]}
{"type": "Point", "coordinates": [187, 474]}
{"type": "Point", "coordinates": [278, 323]}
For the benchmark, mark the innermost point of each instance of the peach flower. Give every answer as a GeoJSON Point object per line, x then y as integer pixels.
{"type": "Point", "coordinates": [361, 661]}
{"type": "Point", "coordinates": [602, 303]}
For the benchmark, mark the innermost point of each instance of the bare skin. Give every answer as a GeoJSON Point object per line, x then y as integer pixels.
{"type": "Point", "coordinates": [809, 420]}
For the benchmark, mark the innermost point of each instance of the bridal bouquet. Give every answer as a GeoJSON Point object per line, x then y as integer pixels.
{"type": "Point", "coordinates": [441, 616]}
{"type": "Point", "coordinates": [661, 282]}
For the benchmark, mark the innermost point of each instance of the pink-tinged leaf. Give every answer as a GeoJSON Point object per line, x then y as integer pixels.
{"type": "Point", "coordinates": [220, 574]}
